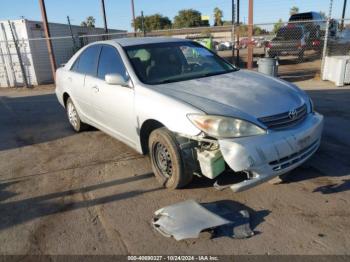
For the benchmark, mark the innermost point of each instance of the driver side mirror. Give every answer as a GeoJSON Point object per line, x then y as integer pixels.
{"type": "Point", "coordinates": [116, 79]}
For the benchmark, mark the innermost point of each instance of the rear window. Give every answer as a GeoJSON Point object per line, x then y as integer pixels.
{"type": "Point", "coordinates": [290, 33]}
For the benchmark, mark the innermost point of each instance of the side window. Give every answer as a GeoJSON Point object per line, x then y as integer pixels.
{"type": "Point", "coordinates": [110, 63]}
{"type": "Point", "coordinates": [87, 61]}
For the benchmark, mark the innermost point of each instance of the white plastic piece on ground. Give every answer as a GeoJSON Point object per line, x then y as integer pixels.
{"type": "Point", "coordinates": [337, 70]}
{"type": "Point", "coordinates": [211, 162]}
{"type": "Point", "coordinates": [186, 220]}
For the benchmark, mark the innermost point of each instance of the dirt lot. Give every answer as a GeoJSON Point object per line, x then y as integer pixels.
{"type": "Point", "coordinates": [67, 193]}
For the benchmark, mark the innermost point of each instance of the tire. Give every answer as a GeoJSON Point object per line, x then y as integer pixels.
{"type": "Point", "coordinates": [301, 56]}
{"type": "Point", "coordinates": [74, 118]}
{"type": "Point", "coordinates": [279, 179]}
{"type": "Point", "coordinates": [166, 159]}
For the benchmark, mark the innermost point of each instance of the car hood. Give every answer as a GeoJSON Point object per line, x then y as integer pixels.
{"type": "Point", "coordinates": [242, 93]}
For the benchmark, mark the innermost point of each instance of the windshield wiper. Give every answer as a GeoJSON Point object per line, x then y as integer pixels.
{"type": "Point", "coordinates": [171, 80]}
{"type": "Point", "coordinates": [217, 73]}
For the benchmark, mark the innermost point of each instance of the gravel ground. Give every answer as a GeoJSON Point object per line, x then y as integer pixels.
{"type": "Point", "coordinates": [87, 193]}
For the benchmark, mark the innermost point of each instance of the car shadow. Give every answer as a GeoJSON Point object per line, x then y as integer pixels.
{"type": "Point", "coordinates": [28, 120]}
{"type": "Point", "coordinates": [334, 188]}
{"type": "Point", "coordinates": [230, 210]}
{"type": "Point", "coordinates": [20, 211]}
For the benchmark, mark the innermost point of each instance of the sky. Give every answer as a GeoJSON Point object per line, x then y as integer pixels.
{"type": "Point", "coordinates": [119, 11]}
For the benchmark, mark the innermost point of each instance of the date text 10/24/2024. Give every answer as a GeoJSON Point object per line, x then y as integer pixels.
{"type": "Point", "coordinates": [173, 258]}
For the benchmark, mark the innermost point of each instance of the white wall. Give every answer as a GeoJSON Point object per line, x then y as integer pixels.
{"type": "Point", "coordinates": [10, 68]}
{"type": "Point", "coordinates": [34, 51]}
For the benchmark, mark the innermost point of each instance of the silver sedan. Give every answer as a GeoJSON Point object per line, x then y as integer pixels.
{"type": "Point", "coordinates": [190, 110]}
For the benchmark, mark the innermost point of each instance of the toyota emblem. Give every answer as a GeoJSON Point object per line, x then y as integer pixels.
{"type": "Point", "coordinates": [292, 114]}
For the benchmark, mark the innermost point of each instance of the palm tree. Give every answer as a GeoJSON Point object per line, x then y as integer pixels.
{"type": "Point", "coordinates": [218, 16]}
{"type": "Point", "coordinates": [294, 10]}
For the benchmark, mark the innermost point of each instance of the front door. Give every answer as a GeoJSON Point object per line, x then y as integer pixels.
{"type": "Point", "coordinates": [113, 104]}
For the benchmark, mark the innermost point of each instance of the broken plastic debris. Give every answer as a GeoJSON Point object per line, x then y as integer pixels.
{"type": "Point", "coordinates": [187, 219]}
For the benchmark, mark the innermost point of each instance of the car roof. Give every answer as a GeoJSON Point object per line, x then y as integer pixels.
{"type": "Point", "coordinates": [132, 41]}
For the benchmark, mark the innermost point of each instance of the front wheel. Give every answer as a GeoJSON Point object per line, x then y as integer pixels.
{"type": "Point", "coordinates": [166, 160]}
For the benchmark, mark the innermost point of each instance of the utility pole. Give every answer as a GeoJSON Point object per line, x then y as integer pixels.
{"type": "Point", "coordinates": [233, 31]}
{"type": "Point", "coordinates": [133, 16]}
{"type": "Point", "coordinates": [343, 16]}
{"type": "Point", "coordinates": [237, 29]}
{"type": "Point", "coordinates": [104, 16]}
{"type": "Point", "coordinates": [250, 35]}
{"type": "Point", "coordinates": [71, 32]}
{"type": "Point", "coordinates": [48, 38]}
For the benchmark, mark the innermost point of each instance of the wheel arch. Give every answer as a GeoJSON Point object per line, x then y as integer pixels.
{"type": "Point", "coordinates": [146, 129]}
{"type": "Point", "coordinates": [65, 98]}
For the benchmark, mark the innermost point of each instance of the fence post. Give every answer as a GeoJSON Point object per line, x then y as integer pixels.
{"type": "Point", "coordinates": [143, 24]}
{"type": "Point", "coordinates": [324, 53]}
{"type": "Point", "coordinates": [238, 31]}
{"type": "Point", "coordinates": [343, 16]}
{"type": "Point", "coordinates": [233, 31]}
{"type": "Point", "coordinates": [133, 16]}
{"type": "Point", "coordinates": [104, 16]}
{"type": "Point", "coordinates": [71, 33]}
{"type": "Point", "coordinates": [250, 35]}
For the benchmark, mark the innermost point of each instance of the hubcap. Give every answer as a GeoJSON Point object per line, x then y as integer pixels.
{"type": "Point", "coordinates": [72, 115]}
{"type": "Point", "coordinates": [162, 159]}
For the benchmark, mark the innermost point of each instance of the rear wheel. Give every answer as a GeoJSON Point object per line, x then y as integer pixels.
{"type": "Point", "coordinates": [166, 160]}
{"type": "Point", "coordinates": [73, 117]}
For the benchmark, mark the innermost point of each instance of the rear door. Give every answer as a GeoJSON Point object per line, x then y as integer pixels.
{"type": "Point", "coordinates": [113, 104]}
{"type": "Point", "coordinates": [85, 65]}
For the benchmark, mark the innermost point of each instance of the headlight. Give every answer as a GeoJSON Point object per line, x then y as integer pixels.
{"type": "Point", "coordinates": [224, 127]}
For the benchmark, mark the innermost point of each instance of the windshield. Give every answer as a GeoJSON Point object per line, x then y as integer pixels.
{"type": "Point", "coordinates": [175, 61]}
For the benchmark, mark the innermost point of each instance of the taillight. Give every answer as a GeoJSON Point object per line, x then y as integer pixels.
{"type": "Point", "coordinates": [316, 43]}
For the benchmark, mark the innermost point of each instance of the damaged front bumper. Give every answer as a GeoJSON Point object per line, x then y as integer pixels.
{"type": "Point", "coordinates": [267, 156]}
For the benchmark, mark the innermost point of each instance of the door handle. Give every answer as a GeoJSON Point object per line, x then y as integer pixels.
{"type": "Point", "coordinates": [95, 88]}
